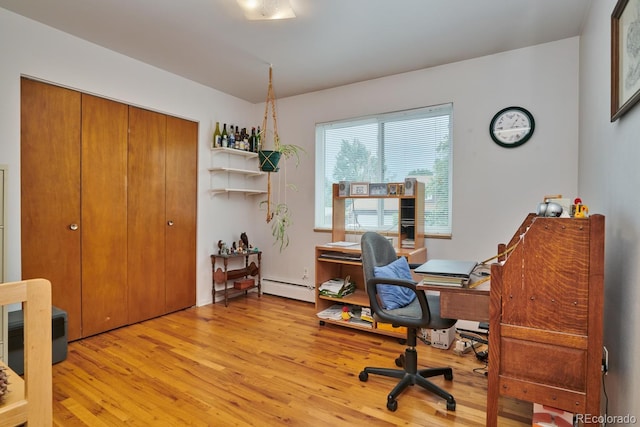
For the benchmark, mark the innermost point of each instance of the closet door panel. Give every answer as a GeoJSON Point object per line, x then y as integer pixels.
{"type": "Point", "coordinates": [180, 237]}
{"type": "Point", "coordinates": [50, 193]}
{"type": "Point", "coordinates": [146, 214]}
{"type": "Point", "coordinates": [104, 214]}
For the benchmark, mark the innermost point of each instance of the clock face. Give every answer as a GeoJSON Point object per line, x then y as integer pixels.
{"type": "Point", "coordinates": [511, 127]}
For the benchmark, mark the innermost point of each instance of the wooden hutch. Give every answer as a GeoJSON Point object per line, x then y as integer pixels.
{"type": "Point", "coordinates": [340, 261]}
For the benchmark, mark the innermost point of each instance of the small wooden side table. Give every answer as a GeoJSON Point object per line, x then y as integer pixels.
{"type": "Point", "coordinates": [223, 275]}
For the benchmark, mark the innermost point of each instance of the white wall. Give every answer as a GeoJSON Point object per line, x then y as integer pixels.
{"type": "Point", "coordinates": [29, 48]}
{"type": "Point", "coordinates": [494, 188]}
{"type": "Point", "coordinates": [608, 181]}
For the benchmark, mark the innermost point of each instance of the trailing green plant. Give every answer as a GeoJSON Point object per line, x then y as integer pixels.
{"type": "Point", "coordinates": [288, 151]}
{"type": "Point", "coordinates": [280, 223]}
{"type": "Point", "coordinates": [278, 214]}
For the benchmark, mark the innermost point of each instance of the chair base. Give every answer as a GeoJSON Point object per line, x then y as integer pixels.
{"type": "Point", "coordinates": [410, 375]}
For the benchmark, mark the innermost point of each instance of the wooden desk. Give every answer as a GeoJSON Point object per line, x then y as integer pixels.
{"type": "Point", "coordinates": [462, 303]}
{"type": "Point", "coordinates": [546, 311]}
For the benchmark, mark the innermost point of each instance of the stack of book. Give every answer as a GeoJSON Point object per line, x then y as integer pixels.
{"type": "Point", "coordinates": [445, 280]}
{"type": "Point", "coordinates": [443, 272]}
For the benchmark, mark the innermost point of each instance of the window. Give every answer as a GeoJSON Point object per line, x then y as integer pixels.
{"type": "Point", "coordinates": [387, 148]}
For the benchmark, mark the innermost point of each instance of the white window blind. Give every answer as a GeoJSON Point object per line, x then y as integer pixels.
{"type": "Point", "coordinates": [387, 148]}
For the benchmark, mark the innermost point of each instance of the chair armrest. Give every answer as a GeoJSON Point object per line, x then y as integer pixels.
{"type": "Point", "coordinates": [388, 316]}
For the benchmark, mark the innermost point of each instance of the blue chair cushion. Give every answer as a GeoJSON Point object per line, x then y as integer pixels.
{"type": "Point", "coordinates": [393, 297]}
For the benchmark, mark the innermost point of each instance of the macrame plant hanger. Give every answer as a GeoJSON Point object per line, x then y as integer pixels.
{"type": "Point", "coordinates": [273, 163]}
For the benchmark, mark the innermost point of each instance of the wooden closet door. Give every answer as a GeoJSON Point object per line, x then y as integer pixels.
{"type": "Point", "coordinates": [104, 214]}
{"type": "Point", "coordinates": [50, 193]}
{"type": "Point", "coordinates": [180, 237]}
{"type": "Point", "coordinates": [146, 214]}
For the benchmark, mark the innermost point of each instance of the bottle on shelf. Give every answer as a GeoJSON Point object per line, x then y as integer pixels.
{"type": "Point", "coordinates": [217, 137]}
{"type": "Point", "coordinates": [258, 140]}
{"type": "Point", "coordinates": [238, 139]}
{"type": "Point", "coordinates": [245, 139]}
{"type": "Point", "coordinates": [232, 137]}
{"type": "Point", "coordinates": [225, 137]}
{"type": "Point", "coordinates": [253, 146]}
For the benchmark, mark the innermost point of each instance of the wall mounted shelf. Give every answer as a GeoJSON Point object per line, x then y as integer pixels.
{"type": "Point", "coordinates": [215, 191]}
{"type": "Point", "coordinates": [234, 151]}
{"type": "Point", "coordinates": [235, 171]}
{"type": "Point", "coordinates": [246, 172]}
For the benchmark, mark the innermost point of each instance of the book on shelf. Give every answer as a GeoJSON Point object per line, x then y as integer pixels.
{"type": "Point", "coordinates": [341, 256]}
{"type": "Point", "coordinates": [355, 315]}
{"type": "Point", "coordinates": [408, 243]}
{"type": "Point", "coordinates": [360, 322]}
{"type": "Point", "coordinates": [365, 314]}
{"type": "Point", "coordinates": [331, 313]}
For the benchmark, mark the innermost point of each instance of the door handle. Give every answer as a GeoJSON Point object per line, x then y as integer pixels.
{"type": "Point", "coordinates": [73, 227]}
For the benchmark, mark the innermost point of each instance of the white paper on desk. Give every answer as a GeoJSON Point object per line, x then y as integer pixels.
{"type": "Point", "coordinates": [342, 244]}
{"type": "Point", "coordinates": [484, 286]}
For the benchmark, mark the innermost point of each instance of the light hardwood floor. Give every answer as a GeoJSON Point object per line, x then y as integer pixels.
{"type": "Point", "coordinates": [259, 361]}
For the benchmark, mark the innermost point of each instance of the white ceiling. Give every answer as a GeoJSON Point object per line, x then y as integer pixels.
{"type": "Point", "coordinates": [330, 43]}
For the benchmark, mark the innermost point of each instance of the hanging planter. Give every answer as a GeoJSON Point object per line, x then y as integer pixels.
{"type": "Point", "coordinates": [269, 160]}
{"type": "Point", "coordinates": [278, 213]}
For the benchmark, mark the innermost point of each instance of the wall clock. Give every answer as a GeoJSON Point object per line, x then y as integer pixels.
{"type": "Point", "coordinates": [511, 127]}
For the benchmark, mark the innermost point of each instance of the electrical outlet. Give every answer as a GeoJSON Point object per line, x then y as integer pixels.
{"type": "Point", "coordinates": [605, 360]}
{"type": "Point", "coordinates": [305, 273]}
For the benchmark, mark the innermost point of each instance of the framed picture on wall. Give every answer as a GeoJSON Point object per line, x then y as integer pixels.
{"type": "Point", "coordinates": [625, 57]}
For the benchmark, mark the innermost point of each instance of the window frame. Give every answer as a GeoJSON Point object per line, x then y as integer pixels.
{"type": "Point", "coordinates": [323, 207]}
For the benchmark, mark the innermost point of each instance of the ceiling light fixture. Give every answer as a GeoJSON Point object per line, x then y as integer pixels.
{"type": "Point", "coordinates": [257, 10]}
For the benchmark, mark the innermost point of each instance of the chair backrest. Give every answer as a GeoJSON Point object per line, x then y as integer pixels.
{"type": "Point", "coordinates": [376, 252]}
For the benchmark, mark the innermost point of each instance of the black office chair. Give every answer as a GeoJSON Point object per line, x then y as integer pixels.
{"type": "Point", "coordinates": [422, 312]}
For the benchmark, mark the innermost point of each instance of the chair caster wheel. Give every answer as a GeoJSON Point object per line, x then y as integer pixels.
{"type": "Point", "coordinates": [400, 361]}
{"type": "Point", "coordinates": [448, 376]}
{"type": "Point", "coordinates": [392, 405]}
{"type": "Point", "coordinates": [451, 406]}
{"type": "Point", "coordinates": [364, 376]}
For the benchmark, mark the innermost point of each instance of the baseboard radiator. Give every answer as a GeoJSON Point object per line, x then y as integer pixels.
{"type": "Point", "coordinates": [288, 289]}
